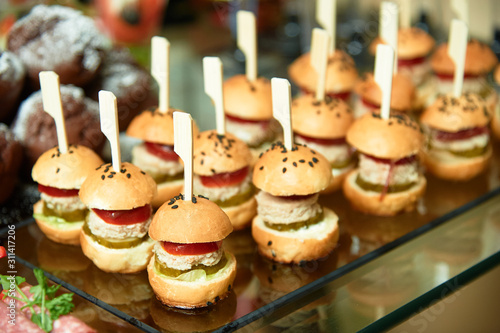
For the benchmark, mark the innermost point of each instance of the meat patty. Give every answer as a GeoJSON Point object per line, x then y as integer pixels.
{"type": "Point", "coordinates": [154, 165]}
{"type": "Point", "coordinates": [63, 204]}
{"type": "Point", "coordinates": [375, 172]}
{"type": "Point", "coordinates": [102, 229]}
{"type": "Point", "coordinates": [333, 153]}
{"type": "Point", "coordinates": [254, 134]}
{"type": "Point", "coordinates": [477, 141]}
{"type": "Point", "coordinates": [185, 262]}
{"type": "Point", "coordinates": [224, 192]}
{"type": "Point", "coordinates": [281, 210]}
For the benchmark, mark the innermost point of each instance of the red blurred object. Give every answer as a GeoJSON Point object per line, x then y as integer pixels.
{"type": "Point", "coordinates": [3, 252]}
{"type": "Point", "coordinates": [124, 217]}
{"type": "Point", "coordinates": [130, 21]}
{"type": "Point", "coordinates": [181, 249]}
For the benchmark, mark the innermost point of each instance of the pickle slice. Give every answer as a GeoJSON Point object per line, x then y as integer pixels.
{"type": "Point", "coordinates": [162, 178]}
{"type": "Point", "coordinates": [237, 199]}
{"type": "Point", "coordinates": [367, 186]}
{"type": "Point", "coordinates": [114, 244]}
{"type": "Point", "coordinates": [474, 152]}
{"type": "Point", "coordinates": [172, 272]}
{"type": "Point", "coordinates": [77, 215]}
{"type": "Point", "coordinates": [344, 163]}
{"type": "Point", "coordinates": [297, 225]}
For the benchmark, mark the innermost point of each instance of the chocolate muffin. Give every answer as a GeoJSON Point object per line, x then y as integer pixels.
{"type": "Point", "coordinates": [12, 75]}
{"type": "Point", "coordinates": [59, 39]}
{"type": "Point", "coordinates": [10, 161]}
{"type": "Point", "coordinates": [131, 84]}
{"type": "Point", "coordinates": [36, 129]}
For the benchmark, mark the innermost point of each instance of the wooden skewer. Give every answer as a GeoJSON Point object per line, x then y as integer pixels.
{"type": "Point", "coordinates": [109, 125]}
{"type": "Point", "coordinates": [457, 47]}
{"type": "Point", "coordinates": [326, 15]}
{"type": "Point", "coordinates": [160, 70]}
{"type": "Point", "coordinates": [212, 74]}
{"type": "Point", "coordinates": [247, 41]}
{"type": "Point", "coordinates": [52, 104]}
{"type": "Point", "coordinates": [319, 59]}
{"type": "Point", "coordinates": [282, 99]}
{"type": "Point", "coordinates": [183, 146]}
{"type": "Point", "coordinates": [405, 16]}
{"type": "Point", "coordinates": [461, 9]}
{"type": "Point", "coordinates": [383, 76]}
{"type": "Point", "coordinates": [389, 13]}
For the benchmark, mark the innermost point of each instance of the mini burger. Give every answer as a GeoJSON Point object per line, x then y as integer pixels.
{"type": "Point", "coordinates": [495, 122]}
{"type": "Point", "coordinates": [291, 226]}
{"type": "Point", "coordinates": [341, 75]}
{"type": "Point", "coordinates": [156, 154]}
{"type": "Point", "coordinates": [222, 173]}
{"type": "Point", "coordinates": [479, 61]}
{"type": "Point", "coordinates": [369, 95]}
{"type": "Point", "coordinates": [458, 146]}
{"type": "Point", "coordinates": [59, 213]}
{"type": "Point", "coordinates": [414, 46]}
{"type": "Point", "coordinates": [322, 126]}
{"type": "Point", "coordinates": [115, 236]}
{"type": "Point", "coordinates": [190, 268]}
{"type": "Point", "coordinates": [387, 180]}
{"type": "Point", "coordinates": [249, 112]}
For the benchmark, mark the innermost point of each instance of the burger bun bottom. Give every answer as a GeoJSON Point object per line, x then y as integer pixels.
{"type": "Point", "coordinates": [296, 246]}
{"type": "Point", "coordinates": [241, 215]}
{"type": "Point", "coordinates": [392, 203]}
{"type": "Point", "coordinates": [338, 177]}
{"type": "Point", "coordinates": [128, 260]}
{"type": "Point", "coordinates": [190, 295]}
{"type": "Point", "coordinates": [446, 166]}
{"type": "Point", "coordinates": [69, 235]}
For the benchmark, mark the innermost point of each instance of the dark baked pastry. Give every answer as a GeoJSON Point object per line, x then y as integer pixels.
{"type": "Point", "coordinates": [10, 161]}
{"type": "Point", "coordinates": [59, 39]}
{"type": "Point", "coordinates": [131, 84]}
{"type": "Point", "coordinates": [12, 75]}
{"type": "Point", "coordinates": [36, 129]}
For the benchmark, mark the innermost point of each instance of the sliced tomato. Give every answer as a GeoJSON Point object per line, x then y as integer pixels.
{"type": "Point", "coordinates": [405, 160]}
{"type": "Point", "coordinates": [225, 179]}
{"type": "Point", "coordinates": [449, 77]}
{"type": "Point", "coordinates": [324, 142]}
{"type": "Point", "coordinates": [124, 217]}
{"type": "Point", "coordinates": [263, 123]}
{"type": "Point", "coordinates": [193, 249]}
{"type": "Point", "coordinates": [369, 104]}
{"type": "Point", "coordinates": [57, 192]}
{"type": "Point", "coordinates": [461, 135]}
{"type": "Point", "coordinates": [410, 62]}
{"type": "Point", "coordinates": [165, 152]}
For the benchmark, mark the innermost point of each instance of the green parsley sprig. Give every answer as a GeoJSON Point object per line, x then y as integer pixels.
{"type": "Point", "coordinates": [44, 296]}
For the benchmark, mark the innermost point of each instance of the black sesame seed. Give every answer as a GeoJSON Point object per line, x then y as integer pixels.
{"type": "Point", "coordinates": [269, 243]}
{"type": "Point", "coordinates": [213, 171]}
{"type": "Point", "coordinates": [71, 152]}
{"type": "Point", "coordinates": [102, 177]}
{"type": "Point", "coordinates": [229, 155]}
{"type": "Point", "coordinates": [284, 170]}
{"type": "Point", "coordinates": [143, 172]}
{"type": "Point", "coordinates": [193, 200]}
{"type": "Point", "coordinates": [229, 288]}
{"type": "Point", "coordinates": [294, 164]}
{"type": "Point", "coordinates": [113, 173]}
{"type": "Point", "coordinates": [261, 167]}
{"type": "Point", "coordinates": [311, 164]}
{"type": "Point", "coordinates": [285, 159]}
{"type": "Point", "coordinates": [201, 162]}
{"type": "Point", "coordinates": [302, 161]}
{"type": "Point", "coordinates": [175, 207]}
{"type": "Point", "coordinates": [171, 202]}
{"type": "Point", "coordinates": [53, 155]}
{"type": "Point", "coordinates": [57, 171]}
{"type": "Point", "coordinates": [275, 267]}
{"type": "Point", "coordinates": [209, 303]}
{"type": "Point", "coordinates": [110, 176]}
{"type": "Point", "coordinates": [315, 160]}
{"type": "Point", "coordinates": [269, 279]}
{"type": "Point", "coordinates": [128, 175]}
{"type": "Point", "coordinates": [217, 298]}
{"type": "Point", "coordinates": [123, 170]}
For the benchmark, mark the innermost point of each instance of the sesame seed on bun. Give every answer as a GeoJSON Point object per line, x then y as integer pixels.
{"type": "Point", "coordinates": [326, 119]}
{"type": "Point", "coordinates": [398, 137]}
{"type": "Point", "coordinates": [154, 126]}
{"type": "Point", "coordinates": [65, 171]}
{"type": "Point", "coordinates": [403, 91]}
{"type": "Point", "coordinates": [479, 59]}
{"type": "Point", "coordinates": [248, 100]}
{"type": "Point", "coordinates": [341, 73]}
{"type": "Point", "coordinates": [299, 171]}
{"type": "Point", "coordinates": [453, 114]}
{"type": "Point", "coordinates": [412, 43]}
{"type": "Point", "coordinates": [214, 153]}
{"type": "Point", "coordinates": [124, 189]}
{"type": "Point", "coordinates": [198, 220]}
